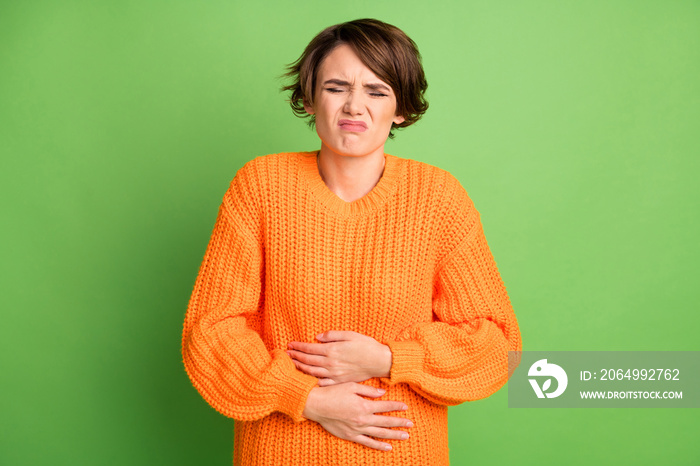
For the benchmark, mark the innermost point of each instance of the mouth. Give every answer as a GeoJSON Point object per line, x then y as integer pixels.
{"type": "Point", "coordinates": [353, 126]}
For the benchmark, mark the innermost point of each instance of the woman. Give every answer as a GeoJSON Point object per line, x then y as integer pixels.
{"type": "Point", "coordinates": [348, 296]}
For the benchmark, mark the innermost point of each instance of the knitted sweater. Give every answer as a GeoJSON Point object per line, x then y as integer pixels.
{"type": "Point", "coordinates": [407, 264]}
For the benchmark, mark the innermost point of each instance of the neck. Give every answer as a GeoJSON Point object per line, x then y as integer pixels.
{"type": "Point", "coordinates": [350, 177]}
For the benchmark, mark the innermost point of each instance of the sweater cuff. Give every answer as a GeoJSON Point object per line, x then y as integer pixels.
{"type": "Point", "coordinates": [406, 362]}
{"type": "Point", "coordinates": [294, 387]}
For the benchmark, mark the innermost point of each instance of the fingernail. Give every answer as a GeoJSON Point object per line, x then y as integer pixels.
{"type": "Point", "coordinates": [387, 447]}
{"type": "Point", "coordinates": [404, 436]}
{"type": "Point", "coordinates": [404, 407]}
{"type": "Point", "coordinates": [381, 391]}
{"type": "Point", "coordinates": [319, 336]}
{"type": "Point", "coordinates": [409, 424]}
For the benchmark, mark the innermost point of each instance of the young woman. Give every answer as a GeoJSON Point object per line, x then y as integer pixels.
{"type": "Point", "coordinates": [348, 296]}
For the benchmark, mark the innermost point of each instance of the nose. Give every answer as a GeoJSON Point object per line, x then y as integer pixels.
{"type": "Point", "coordinates": [354, 104]}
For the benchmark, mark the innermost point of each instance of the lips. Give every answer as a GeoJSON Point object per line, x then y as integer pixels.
{"type": "Point", "coordinates": [353, 126]}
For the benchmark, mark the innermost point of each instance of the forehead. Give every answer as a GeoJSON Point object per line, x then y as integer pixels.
{"type": "Point", "coordinates": [343, 63]}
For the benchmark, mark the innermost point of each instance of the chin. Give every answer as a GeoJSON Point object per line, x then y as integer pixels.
{"type": "Point", "coordinates": [353, 151]}
{"type": "Point", "coordinates": [353, 148]}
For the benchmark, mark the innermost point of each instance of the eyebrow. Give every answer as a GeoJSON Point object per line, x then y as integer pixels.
{"type": "Point", "coordinates": [340, 82]}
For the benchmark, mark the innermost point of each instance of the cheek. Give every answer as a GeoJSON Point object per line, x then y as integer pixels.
{"type": "Point", "coordinates": [325, 110]}
{"type": "Point", "coordinates": [323, 123]}
{"type": "Point", "coordinates": [389, 115]}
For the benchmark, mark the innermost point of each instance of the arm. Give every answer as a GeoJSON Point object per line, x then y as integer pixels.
{"type": "Point", "coordinates": [224, 356]}
{"type": "Point", "coordinates": [463, 354]}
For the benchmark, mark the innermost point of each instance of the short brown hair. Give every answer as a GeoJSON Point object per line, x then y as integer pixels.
{"type": "Point", "coordinates": [383, 48]}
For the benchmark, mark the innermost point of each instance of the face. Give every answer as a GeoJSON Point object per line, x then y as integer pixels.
{"type": "Point", "coordinates": [354, 109]}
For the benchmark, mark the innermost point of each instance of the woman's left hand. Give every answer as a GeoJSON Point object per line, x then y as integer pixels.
{"type": "Point", "coordinates": [343, 356]}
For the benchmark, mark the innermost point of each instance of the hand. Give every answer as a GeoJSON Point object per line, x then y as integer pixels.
{"type": "Point", "coordinates": [343, 356]}
{"type": "Point", "coordinates": [341, 410]}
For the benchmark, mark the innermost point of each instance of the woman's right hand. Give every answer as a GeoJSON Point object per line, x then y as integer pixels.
{"type": "Point", "coordinates": [341, 410]}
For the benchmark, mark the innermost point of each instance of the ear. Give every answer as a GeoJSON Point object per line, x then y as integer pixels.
{"type": "Point", "coordinates": [309, 109]}
{"type": "Point", "coordinates": [398, 119]}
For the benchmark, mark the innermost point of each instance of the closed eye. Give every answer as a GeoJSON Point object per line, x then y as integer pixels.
{"type": "Point", "coordinates": [333, 90]}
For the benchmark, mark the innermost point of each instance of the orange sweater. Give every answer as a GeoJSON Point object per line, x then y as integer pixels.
{"type": "Point", "coordinates": [407, 264]}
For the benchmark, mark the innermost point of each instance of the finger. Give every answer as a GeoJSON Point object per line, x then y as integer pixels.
{"type": "Point", "coordinates": [310, 359]}
{"type": "Point", "coordinates": [391, 434]}
{"type": "Point", "coordinates": [390, 421]}
{"type": "Point", "coordinates": [309, 348]}
{"type": "Point", "coordinates": [311, 370]}
{"type": "Point", "coordinates": [366, 390]}
{"type": "Point", "coordinates": [325, 382]}
{"type": "Point", "coordinates": [371, 443]}
{"type": "Point", "coordinates": [387, 406]}
{"type": "Point", "coordinates": [338, 335]}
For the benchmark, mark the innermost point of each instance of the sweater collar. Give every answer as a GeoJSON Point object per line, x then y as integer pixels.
{"type": "Point", "coordinates": [370, 202]}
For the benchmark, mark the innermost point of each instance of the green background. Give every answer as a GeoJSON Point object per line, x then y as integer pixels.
{"type": "Point", "coordinates": [573, 126]}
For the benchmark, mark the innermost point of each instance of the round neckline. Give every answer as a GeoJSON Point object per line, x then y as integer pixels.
{"type": "Point", "coordinates": [370, 202]}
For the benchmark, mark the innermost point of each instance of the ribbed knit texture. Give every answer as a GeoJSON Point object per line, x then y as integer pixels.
{"type": "Point", "coordinates": [407, 264]}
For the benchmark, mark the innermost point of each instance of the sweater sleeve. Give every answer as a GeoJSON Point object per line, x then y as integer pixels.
{"type": "Point", "coordinates": [463, 354]}
{"type": "Point", "coordinates": [224, 356]}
